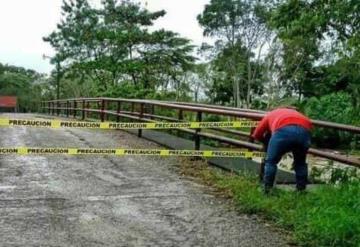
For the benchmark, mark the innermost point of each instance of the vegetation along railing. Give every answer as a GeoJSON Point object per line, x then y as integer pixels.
{"type": "Point", "coordinates": [118, 109]}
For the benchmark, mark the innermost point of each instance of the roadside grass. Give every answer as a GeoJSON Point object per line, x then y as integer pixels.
{"type": "Point", "coordinates": [328, 215]}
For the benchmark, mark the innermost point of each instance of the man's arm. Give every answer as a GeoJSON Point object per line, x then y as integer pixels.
{"type": "Point", "coordinates": [261, 129]}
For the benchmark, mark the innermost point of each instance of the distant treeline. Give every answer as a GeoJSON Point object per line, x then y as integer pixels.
{"type": "Point", "coordinates": [28, 85]}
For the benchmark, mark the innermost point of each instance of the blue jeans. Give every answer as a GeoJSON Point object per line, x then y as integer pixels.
{"type": "Point", "coordinates": [291, 138]}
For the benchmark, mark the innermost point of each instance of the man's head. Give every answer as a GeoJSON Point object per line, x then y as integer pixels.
{"type": "Point", "coordinates": [284, 106]}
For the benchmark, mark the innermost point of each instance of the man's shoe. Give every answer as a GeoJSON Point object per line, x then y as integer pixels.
{"type": "Point", "coordinates": [301, 189]}
{"type": "Point", "coordinates": [267, 190]}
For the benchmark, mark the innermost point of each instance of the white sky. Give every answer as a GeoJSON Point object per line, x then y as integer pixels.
{"type": "Point", "coordinates": [23, 23]}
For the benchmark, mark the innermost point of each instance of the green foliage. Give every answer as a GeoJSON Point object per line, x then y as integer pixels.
{"type": "Point", "coordinates": [345, 175]}
{"type": "Point", "coordinates": [113, 46]}
{"type": "Point", "coordinates": [296, 25]}
{"type": "Point", "coordinates": [320, 42]}
{"type": "Point", "coordinates": [125, 90]}
{"type": "Point", "coordinates": [285, 101]}
{"type": "Point", "coordinates": [22, 83]}
{"type": "Point", "coordinates": [325, 216]}
{"type": "Point", "coordinates": [336, 107]}
{"type": "Point", "coordinates": [240, 28]}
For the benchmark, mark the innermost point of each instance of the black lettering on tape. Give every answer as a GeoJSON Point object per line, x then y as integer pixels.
{"type": "Point", "coordinates": [8, 150]}
{"type": "Point", "coordinates": [24, 122]}
{"type": "Point", "coordinates": [80, 125]}
{"type": "Point", "coordinates": [95, 151]}
{"type": "Point", "coordinates": [48, 151]}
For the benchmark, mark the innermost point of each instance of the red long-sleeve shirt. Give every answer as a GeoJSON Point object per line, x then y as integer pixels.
{"type": "Point", "coordinates": [279, 118]}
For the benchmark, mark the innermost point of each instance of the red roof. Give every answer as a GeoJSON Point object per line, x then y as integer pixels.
{"type": "Point", "coordinates": [8, 101]}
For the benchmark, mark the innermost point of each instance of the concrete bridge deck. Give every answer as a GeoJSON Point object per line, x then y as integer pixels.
{"type": "Point", "coordinates": [110, 201]}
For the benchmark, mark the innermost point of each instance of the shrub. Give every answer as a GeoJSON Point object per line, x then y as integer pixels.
{"type": "Point", "coordinates": [336, 107]}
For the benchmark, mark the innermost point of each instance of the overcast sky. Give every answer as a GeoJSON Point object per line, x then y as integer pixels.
{"type": "Point", "coordinates": [23, 23]}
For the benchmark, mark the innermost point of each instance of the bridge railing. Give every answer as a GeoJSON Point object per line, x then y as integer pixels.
{"type": "Point", "coordinates": [117, 109]}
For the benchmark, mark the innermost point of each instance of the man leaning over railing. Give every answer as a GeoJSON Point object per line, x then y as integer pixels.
{"type": "Point", "coordinates": [290, 132]}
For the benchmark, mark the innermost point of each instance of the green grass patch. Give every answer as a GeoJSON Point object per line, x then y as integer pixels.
{"type": "Point", "coordinates": [325, 216]}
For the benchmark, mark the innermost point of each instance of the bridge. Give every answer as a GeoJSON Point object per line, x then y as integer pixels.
{"type": "Point", "coordinates": [53, 200]}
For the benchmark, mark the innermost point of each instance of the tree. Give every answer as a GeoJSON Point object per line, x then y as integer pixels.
{"type": "Point", "coordinates": [22, 83]}
{"type": "Point", "coordinates": [239, 26]}
{"type": "Point", "coordinates": [112, 45]}
{"type": "Point", "coordinates": [320, 41]}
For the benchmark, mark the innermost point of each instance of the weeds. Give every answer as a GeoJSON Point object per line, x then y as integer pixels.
{"type": "Point", "coordinates": [328, 215]}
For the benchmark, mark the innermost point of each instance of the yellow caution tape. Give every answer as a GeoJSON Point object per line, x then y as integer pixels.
{"type": "Point", "coordinates": [126, 152]}
{"type": "Point", "coordinates": [114, 125]}
{"type": "Point", "coordinates": [4, 122]}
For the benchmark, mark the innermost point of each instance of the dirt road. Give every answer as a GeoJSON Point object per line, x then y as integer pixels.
{"type": "Point", "coordinates": [110, 201]}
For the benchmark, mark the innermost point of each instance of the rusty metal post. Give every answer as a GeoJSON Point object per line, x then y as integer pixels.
{"type": "Point", "coordinates": [58, 108]}
{"type": "Point", "coordinates": [181, 115]}
{"type": "Point", "coordinates": [132, 106]}
{"type": "Point", "coordinates": [107, 103]}
{"type": "Point", "coordinates": [152, 111]}
{"type": "Point", "coordinates": [181, 118]}
{"type": "Point", "coordinates": [75, 106]}
{"type": "Point", "coordinates": [71, 109]}
{"type": "Point", "coordinates": [141, 116]}
{"type": "Point", "coordinates": [53, 108]}
{"type": "Point", "coordinates": [197, 137]}
{"type": "Point", "coordinates": [262, 164]}
{"type": "Point", "coordinates": [83, 110]}
{"type": "Point", "coordinates": [118, 110]}
{"type": "Point", "coordinates": [67, 108]}
{"type": "Point", "coordinates": [87, 107]}
{"type": "Point", "coordinates": [102, 113]}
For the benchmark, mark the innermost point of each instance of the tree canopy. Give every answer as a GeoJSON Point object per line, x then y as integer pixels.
{"type": "Point", "coordinates": [23, 83]}
{"type": "Point", "coordinates": [113, 46]}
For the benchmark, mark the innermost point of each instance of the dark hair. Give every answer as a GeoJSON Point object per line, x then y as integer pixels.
{"type": "Point", "coordinates": [284, 106]}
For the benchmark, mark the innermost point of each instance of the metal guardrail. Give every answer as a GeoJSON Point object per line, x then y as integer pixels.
{"type": "Point", "coordinates": [145, 110]}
